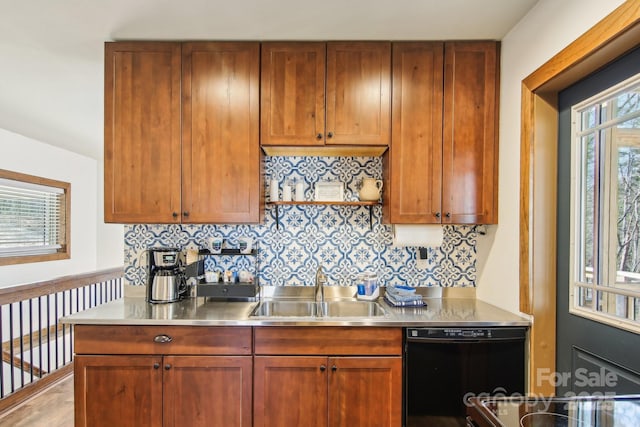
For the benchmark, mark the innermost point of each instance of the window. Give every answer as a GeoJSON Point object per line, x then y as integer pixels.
{"type": "Point", "coordinates": [605, 234]}
{"type": "Point", "coordinates": [34, 216]}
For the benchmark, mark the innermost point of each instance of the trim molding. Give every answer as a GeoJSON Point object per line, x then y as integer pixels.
{"type": "Point", "coordinates": [30, 390]}
{"type": "Point", "coordinates": [65, 251]}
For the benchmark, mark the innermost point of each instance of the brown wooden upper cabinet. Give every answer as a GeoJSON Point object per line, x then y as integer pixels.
{"type": "Point", "coordinates": [316, 94]}
{"type": "Point", "coordinates": [182, 132]}
{"type": "Point", "coordinates": [442, 163]}
{"type": "Point", "coordinates": [142, 132]}
{"type": "Point", "coordinates": [220, 132]}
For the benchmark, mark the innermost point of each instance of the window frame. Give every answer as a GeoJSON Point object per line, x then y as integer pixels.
{"type": "Point", "coordinates": [64, 252]}
{"type": "Point", "coordinates": [606, 238]}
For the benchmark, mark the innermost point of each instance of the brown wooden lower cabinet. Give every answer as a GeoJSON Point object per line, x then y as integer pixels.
{"type": "Point", "coordinates": [322, 391]}
{"type": "Point", "coordinates": [118, 391]}
{"type": "Point", "coordinates": [207, 391]}
{"type": "Point", "coordinates": [290, 391]}
{"type": "Point", "coordinates": [168, 391]}
{"type": "Point", "coordinates": [163, 376]}
{"type": "Point", "coordinates": [365, 391]}
{"type": "Point", "coordinates": [174, 376]}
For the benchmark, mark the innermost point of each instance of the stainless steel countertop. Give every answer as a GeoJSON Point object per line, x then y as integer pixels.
{"type": "Point", "coordinates": [456, 312]}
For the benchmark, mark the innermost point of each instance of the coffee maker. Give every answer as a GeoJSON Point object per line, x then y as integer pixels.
{"type": "Point", "coordinates": [165, 277]}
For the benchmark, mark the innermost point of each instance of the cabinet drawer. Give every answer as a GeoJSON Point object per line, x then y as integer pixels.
{"type": "Point", "coordinates": [105, 339]}
{"type": "Point", "coordinates": [328, 340]}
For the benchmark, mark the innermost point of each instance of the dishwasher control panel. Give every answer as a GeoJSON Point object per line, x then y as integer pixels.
{"type": "Point", "coordinates": [462, 334]}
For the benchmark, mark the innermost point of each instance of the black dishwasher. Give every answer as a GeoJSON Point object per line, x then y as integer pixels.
{"type": "Point", "coordinates": [445, 366]}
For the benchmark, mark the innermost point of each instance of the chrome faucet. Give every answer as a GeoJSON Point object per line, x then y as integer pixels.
{"type": "Point", "coordinates": [321, 280]}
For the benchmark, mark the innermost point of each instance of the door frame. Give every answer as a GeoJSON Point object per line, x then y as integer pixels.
{"type": "Point", "coordinates": [613, 36]}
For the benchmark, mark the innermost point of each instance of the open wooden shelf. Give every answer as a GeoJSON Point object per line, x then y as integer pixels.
{"type": "Point", "coordinates": [370, 205]}
{"type": "Point", "coordinates": [227, 251]}
{"type": "Point", "coordinates": [326, 150]}
{"type": "Point", "coordinates": [356, 203]}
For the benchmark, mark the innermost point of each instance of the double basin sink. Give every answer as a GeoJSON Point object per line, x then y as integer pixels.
{"type": "Point", "coordinates": [318, 309]}
{"type": "Point", "coordinates": [340, 302]}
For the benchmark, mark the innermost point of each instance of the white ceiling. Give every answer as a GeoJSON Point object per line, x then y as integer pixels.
{"type": "Point", "coordinates": [51, 51]}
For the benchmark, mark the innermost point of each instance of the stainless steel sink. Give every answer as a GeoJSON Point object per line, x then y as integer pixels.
{"type": "Point", "coordinates": [285, 309]}
{"type": "Point", "coordinates": [306, 293]}
{"type": "Point", "coordinates": [329, 309]}
{"type": "Point", "coordinates": [298, 302]}
{"type": "Point", "coordinates": [351, 309]}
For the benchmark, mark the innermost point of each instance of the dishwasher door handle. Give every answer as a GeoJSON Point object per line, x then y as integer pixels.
{"type": "Point", "coordinates": [447, 340]}
{"type": "Point", "coordinates": [463, 340]}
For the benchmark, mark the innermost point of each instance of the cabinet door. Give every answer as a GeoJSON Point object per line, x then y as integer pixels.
{"type": "Point", "coordinates": [292, 93]}
{"type": "Point", "coordinates": [220, 133]}
{"type": "Point", "coordinates": [414, 163]}
{"type": "Point", "coordinates": [358, 93]}
{"type": "Point", "coordinates": [118, 391]}
{"type": "Point", "coordinates": [142, 132]}
{"type": "Point", "coordinates": [290, 391]}
{"type": "Point", "coordinates": [211, 391]}
{"type": "Point", "coordinates": [470, 148]}
{"type": "Point", "coordinates": [365, 391]}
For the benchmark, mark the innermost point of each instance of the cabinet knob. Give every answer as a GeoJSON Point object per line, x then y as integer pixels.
{"type": "Point", "coordinates": [437, 214]}
{"type": "Point", "coordinates": [330, 135]}
{"type": "Point", "coordinates": [156, 365]}
{"type": "Point", "coordinates": [167, 367]}
{"type": "Point", "coordinates": [323, 368]}
{"type": "Point", "coordinates": [185, 214]}
{"type": "Point", "coordinates": [319, 136]}
{"type": "Point", "coordinates": [175, 214]}
{"type": "Point", "coordinates": [448, 215]}
{"type": "Point", "coordinates": [334, 368]}
{"type": "Point", "coordinates": [162, 339]}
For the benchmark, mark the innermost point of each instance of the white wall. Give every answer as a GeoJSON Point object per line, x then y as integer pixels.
{"type": "Point", "coordinates": [110, 236]}
{"type": "Point", "coordinates": [549, 27]}
{"type": "Point", "coordinates": [25, 155]}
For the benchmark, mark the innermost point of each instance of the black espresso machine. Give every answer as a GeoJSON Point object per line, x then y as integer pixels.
{"type": "Point", "coordinates": [165, 276]}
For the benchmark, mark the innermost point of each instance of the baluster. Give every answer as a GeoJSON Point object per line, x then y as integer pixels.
{"type": "Point", "coordinates": [12, 371]}
{"type": "Point", "coordinates": [55, 305]}
{"type": "Point", "coordinates": [48, 333]}
{"type": "Point", "coordinates": [1, 367]}
{"type": "Point", "coordinates": [31, 340]}
{"type": "Point", "coordinates": [64, 330]}
{"type": "Point", "coordinates": [40, 334]}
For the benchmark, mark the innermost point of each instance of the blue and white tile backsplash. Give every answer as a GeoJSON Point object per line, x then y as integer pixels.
{"type": "Point", "coordinates": [337, 237]}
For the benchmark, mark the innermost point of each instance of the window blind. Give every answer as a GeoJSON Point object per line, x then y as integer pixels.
{"type": "Point", "coordinates": [32, 218]}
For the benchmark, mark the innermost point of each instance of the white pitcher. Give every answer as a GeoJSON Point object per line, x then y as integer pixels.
{"type": "Point", "coordinates": [370, 190]}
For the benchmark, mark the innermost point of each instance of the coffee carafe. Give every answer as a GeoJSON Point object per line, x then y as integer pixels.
{"type": "Point", "coordinates": [165, 278]}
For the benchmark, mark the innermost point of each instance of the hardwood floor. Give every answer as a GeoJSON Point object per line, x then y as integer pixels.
{"type": "Point", "coordinates": [53, 407]}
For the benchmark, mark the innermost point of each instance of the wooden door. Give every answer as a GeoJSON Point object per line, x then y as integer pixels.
{"type": "Point", "coordinates": [220, 133]}
{"type": "Point", "coordinates": [142, 132]}
{"type": "Point", "coordinates": [358, 93]}
{"type": "Point", "coordinates": [118, 391]}
{"type": "Point", "coordinates": [470, 147]}
{"type": "Point", "coordinates": [211, 391]}
{"type": "Point", "coordinates": [365, 391]}
{"type": "Point", "coordinates": [292, 93]}
{"type": "Point", "coordinates": [290, 391]}
{"type": "Point", "coordinates": [414, 165]}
